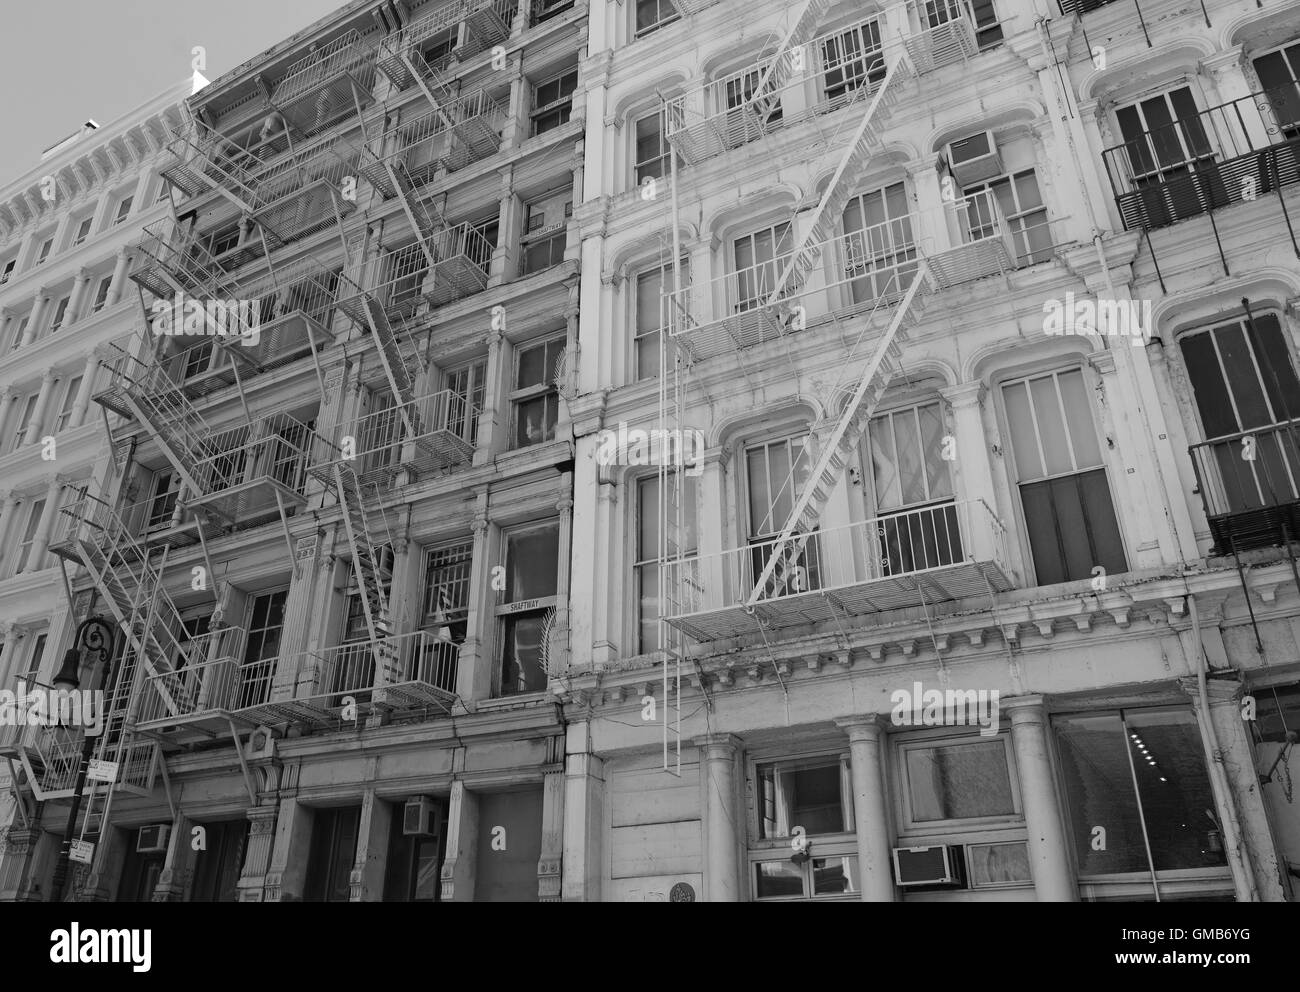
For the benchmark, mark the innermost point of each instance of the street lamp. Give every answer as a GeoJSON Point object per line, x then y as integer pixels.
{"type": "Point", "coordinates": [94, 636]}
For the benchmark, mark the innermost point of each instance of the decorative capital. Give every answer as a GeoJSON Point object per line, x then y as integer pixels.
{"type": "Point", "coordinates": [964, 394]}
{"type": "Point", "coordinates": [478, 525]}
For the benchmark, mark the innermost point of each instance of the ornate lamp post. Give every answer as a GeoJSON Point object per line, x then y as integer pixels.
{"type": "Point", "coordinates": [95, 638]}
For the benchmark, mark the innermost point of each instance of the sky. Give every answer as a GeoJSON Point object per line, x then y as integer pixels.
{"type": "Point", "coordinates": [63, 62]}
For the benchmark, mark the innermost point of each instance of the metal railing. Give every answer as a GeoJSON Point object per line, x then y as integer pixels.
{"type": "Point", "coordinates": [1237, 151]}
{"type": "Point", "coordinates": [206, 679]}
{"type": "Point", "coordinates": [906, 543]}
{"type": "Point", "coordinates": [378, 444]}
{"type": "Point", "coordinates": [345, 53]}
{"type": "Point", "coordinates": [420, 145]}
{"type": "Point", "coordinates": [1249, 470]}
{"type": "Point", "coordinates": [280, 451]}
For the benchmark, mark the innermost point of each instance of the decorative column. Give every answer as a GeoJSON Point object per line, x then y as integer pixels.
{"type": "Point", "coordinates": [366, 882]}
{"type": "Point", "coordinates": [931, 207]}
{"type": "Point", "coordinates": [871, 806]}
{"type": "Point", "coordinates": [38, 411]}
{"type": "Point", "coordinates": [87, 388]}
{"type": "Point", "coordinates": [972, 471]}
{"type": "Point", "coordinates": [559, 647]}
{"type": "Point", "coordinates": [458, 867]}
{"type": "Point", "coordinates": [1245, 795]}
{"type": "Point", "coordinates": [493, 422]}
{"type": "Point", "coordinates": [473, 672]}
{"type": "Point", "coordinates": [722, 818]}
{"type": "Point", "coordinates": [286, 876]}
{"type": "Point", "coordinates": [502, 267]}
{"type": "Point", "coordinates": [8, 404]}
{"type": "Point", "coordinates": [119, 277]}
{"type": "Point", "coordinates": [34, 320]}
{"type": "Point", "coordinates": [257, 853]}
{"type": "Point", "coordinates": [74, 300]}
{"type": "Point", "coordinates": [9, 500]}
{"type": "Point", "coordinates": [41, 542]}
{"type": "Point", "coordinates": [1049, 858]}
{"type": "Point", "coordinates": [584, 826]}
{"type": "Point", "coordinates": [177, 870]}
{"type": "Point", "coordinates": [17, 847]}
{"type": "Point", "coordinates": [550, 863]}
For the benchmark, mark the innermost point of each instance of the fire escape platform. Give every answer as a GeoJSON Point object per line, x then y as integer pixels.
{"type": "Point", "coordinates": [757, 325]}
{"type": "Point", "coordinates": [285, 339]}
{"type": "Point", "coordinates": [848, 601]}
{"type": "Point", "coordinates": [303, 211]}
{"type": "Point", "coordinates": [453, 278]}
{"type": "Point", "coordinates": [332, 94]}
{"type": "Point", "coordinates": [969, 262]}
{"type": "Point", "coordinates": [249, 503]}
{"type": "Point", "coordinates": [199, 727]}
{"type": "Point", "coordinates": [942, 46]}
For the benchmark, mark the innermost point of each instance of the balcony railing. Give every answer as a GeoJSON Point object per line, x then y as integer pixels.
{"type": "Point", "coordinates": [893, 561]}
{"type": "Point", "coordinates": [1070, 7]}
{"type": "Point", "coordinates": [1236, 152]}
{"type": "Point", "coordinates": [256, 468]}
{"type": "Point", "coordinates": [1250, 485]}
{"type": "Point", "coordinates": [378, 446]}
{"type": "Point", "coordinates": [487, 22]}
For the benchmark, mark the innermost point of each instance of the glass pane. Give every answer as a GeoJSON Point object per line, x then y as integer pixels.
{"type": "Point", "coordinates": [521, 659]}
{"type": "Point", "coordinates": [835, 876]}
{"type": "Point", "coordinates": [960, 781]}
{"type": "Point", "coordinates": [1274, 362]}
{"type": "Point", "coordinates": [884, 464]}
{"type": "Point", "coordinates": [911, 475]}
{"type": "Point", "coordinates": [532, 367]}
{"type": "Point", "coordinates": [937, 470]}
{"type": "Point", "coordinates": [1181, 818]}
{"type": "Point", "coordinates": [649, 287]}
{"type": "Point", "coordinates": [1078, 416]}
{"type": "Point", "coordinates": [991, 864]}
{"type": "Point", "coordinates": [1051, 429]}
{"type": "Point", "coordinates": [1024, 441]}
{"type": "Point", "coordinates": [792, 796]}
{"type": "Point", "coordinates": [648, 524]}
{"type": "Point", "coordinates": [1208, 385]}
{"type": "Point", "coordinates": [531, 560]}
{"type": "Point", "coordinates": [777, 878]}
{"type": "Point", "coordinates": [1103, 813]}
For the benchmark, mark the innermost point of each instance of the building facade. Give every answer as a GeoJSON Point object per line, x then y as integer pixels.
{"type": "Point", "coordinates": [864, 244]}
{"type": "Point", "coordinates": [670, 450]}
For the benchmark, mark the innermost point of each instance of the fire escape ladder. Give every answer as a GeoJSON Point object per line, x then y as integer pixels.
{"type": "Point", "coordinates": [782, 65]}
{"type": "Point", "coordinates": [427, 223]}
{"type": "Point", "coordinates": [368, 568]}
{"type": "Point", "coordinates": [840, 443]}
{"type": "Point", "coordinates": [397, 369]}
{"type": "Point", "coordinates": [843, 183]}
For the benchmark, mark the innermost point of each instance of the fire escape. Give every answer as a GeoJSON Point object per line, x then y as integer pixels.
{"type": "Point", "coordinates": [871, 286]}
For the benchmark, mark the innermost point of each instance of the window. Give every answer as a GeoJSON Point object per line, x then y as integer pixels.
{"type": "Point", "coordinates": [545, 232]}
{"type": "Point", "coordinates": [654, 14]}
{"type": "Point", "coordinates": [29, 535]}
{"type": "Point", "coordinates": [412, 873]}
{"type": "Point", "coordinates": [980, 12]}
{"type": "Point", "coordinates": [544, 10]}
{"type": "Point", "coordinates": [101, 294]}
{"type": "Point", "coordinates": [739, 91]}
{"type": "Point", "coordinates": [646, 567]}
{"type": "Point", "coordinates": [1245, 386]}
{"type": "Point", "coordinates": [850, 58]}
{"type": "Point", "coordinates": [38, 656]}
{"type": "Point", "coordinates": [123, 209]}
{"type": "Point", "coordinates": [407, 267]}
{"type": "Point", "coordinates": [1277, 714]}
{"type": "Point", "coordinates": [528, 610]}
{"type": "Point", "coordinates": [553, 101]}
{"type": "Point", "coordinates": [469, 385]}
{"type": "Point", "coordinates": [1064, 492]}
{"type": "Point", "coordinates": [436, 52]}
{"type": "Point", "coordinates": [879, 244]}
{"type": "Point", "coordinates": [191, 655]}
{"type": "Point", "coordinates": [69, 401]}
{"type": "Point", "coordinates": [162, 501]}
{"type": "Point", "coordinates": [6, 270]}
{"type": "Point", "coordinates": [1165, 142]}
{"type": "Point", "coordinates": [1278, 73]}
{"type": "Point", "coordinates": [758, 258]}
{"type": "Point", "coordinates": [912, 484]}
{"type": "Point", "coordinates": [334, 834]}
{"type": "Point", "coordinates": [1022, 207]}
{"type": "Point", "coordinates": [446, 589]}
{"type": "Point", "coordinates": [652, 148]}
{"type": "Point", "coordinates": [812, 796]}
{"type": "Point", "coordinates": [262, 646]}
{"type": "Point", "coordinates": [197, 360]}
{"type": "Point", "coordinates": [381, 433]}
{"type": "Point", "coordinates": [26, 408]}
{"type": "Point", "coordinates": [140, 872]}
{"type": "Point", "coordinates": [1140, 775]}
{"type": "Point", "coordinates": [483, 242]}
{"type": "Point", "coordinates": [60, 312]}
{"type": "Point", "coordinates": [958, 780]}
{"type": "Point", "coordinates": [776, 473]}
{"type": "Point", "coordinates": [18, 334]}
{"type": "Point", "coordinates": [83, 231]}
{"type": "Point", "coordinates": [224, 240]}
{"type": "Point", "coordinates": [535, 397]}
{"type": "Point", "coordinates": [652, 315]}
{"type": "Point", "coordinates": [45, 251]}
{"type": "Point", "coordinates": [217, 866]}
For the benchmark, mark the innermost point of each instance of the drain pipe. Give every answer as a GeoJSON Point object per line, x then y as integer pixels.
{"type": "Point", "coordinates": [1243, 875]}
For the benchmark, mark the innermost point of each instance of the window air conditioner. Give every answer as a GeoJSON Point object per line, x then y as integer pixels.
{"type": "Point", "coordinates": [939, 864]}
{"type": "Point", "coordinates": [152, 839]}
{"type": "Point", "coordinates": [974, 159]}
{"type": "Point", "coordinates": [420, 817]}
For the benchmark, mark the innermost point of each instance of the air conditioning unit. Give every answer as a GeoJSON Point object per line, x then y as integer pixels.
{"type": "Point", "coordinates": [152, 839]}
{"type": "Point", "coordinates": [974, 159]}
{"type": "Point", "coordinates": [937, 865]}
{"type": "Point", "coordinates": [420, 817]}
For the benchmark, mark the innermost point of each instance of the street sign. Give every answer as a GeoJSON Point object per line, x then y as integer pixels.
{"type": "Point", "coordinates": [82, 850]}
{"type": "Point", "coordinates": [102, 771]}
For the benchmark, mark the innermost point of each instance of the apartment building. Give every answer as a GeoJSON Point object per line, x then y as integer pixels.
{"type": "Point", "coordinates": [332, 532]}
{"type": "Point", "coordinates": [66, 229]}
{"type": "Point", "coordinates": [978, 592]}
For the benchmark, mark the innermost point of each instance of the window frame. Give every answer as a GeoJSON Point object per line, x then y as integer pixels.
{"type": "Point", "coordinates": [70, 389]}
{"type": "Point", "coordinates": [506, 610]}
{"type": "Point", "coordinates": [780, 233]}
{"type": "Point", "coordinates": [639, 31]}
{"type": "Point", "coordinates": [1018, 220]}
{"type": "Point", "coordinates": [82, 232]}
{"type": "Point", "coordinates": [941, 737]}
{"type": "Point", "coordinates": [475, 372]}
{"type": "Point", "coordinates": [123, 209]}
{"type": "Point", "coordinates": [547, 389]}
{"type": "Point", "coordinates": [539, 111]}
{"type": "Point", "coordinates": [104, 287]}
{"type": "Point", "coordinates": [43, 254]}
{"type": "Point", "coordinates": [637, 554]}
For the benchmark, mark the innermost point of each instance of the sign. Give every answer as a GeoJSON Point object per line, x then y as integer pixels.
{"type": "Point", "coordinates": [526, 604]}
{"type": "Point", "coordinates": [102, 771]}
{"type": "Point", "coordinates": [82, 850]}
{"type": "Point", "coordinates": [306, 548]}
